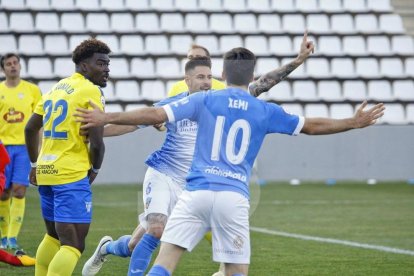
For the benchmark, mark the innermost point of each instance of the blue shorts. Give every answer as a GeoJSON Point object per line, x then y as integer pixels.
{"type": "Point", "coordinates": [71, 203]}
{"type": "Point", "coordinates": [17, 171]}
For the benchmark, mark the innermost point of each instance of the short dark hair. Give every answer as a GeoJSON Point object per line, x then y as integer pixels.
{"type": "Point", "coordinates": [7, 56]}
{"type": "Point", "coordinates": [196, 46]}
{"type": "Point", "coordinates": [87, 48]}
{"type": "Point", "coordinates": [197, 61]}
{"type": "Point", "coordinates": [238, 66]}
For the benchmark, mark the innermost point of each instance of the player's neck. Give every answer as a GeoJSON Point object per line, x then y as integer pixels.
{"type": "Point", "coordinates": [243, 87]}
{"type": "Point", "coordinates": [12, 82]}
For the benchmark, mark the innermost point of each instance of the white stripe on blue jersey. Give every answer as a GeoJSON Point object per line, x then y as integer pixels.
{"type": "Point", "coordinates": [175, 156]}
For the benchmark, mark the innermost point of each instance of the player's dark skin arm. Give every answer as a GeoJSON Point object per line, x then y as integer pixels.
{"type": "Point", "coordinates": [31, 133]}
{"type": "Point", "coordinates": [96, 150]}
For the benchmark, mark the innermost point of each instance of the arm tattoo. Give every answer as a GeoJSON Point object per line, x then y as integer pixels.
{"type": "Point", "coordinates": [270, 79]}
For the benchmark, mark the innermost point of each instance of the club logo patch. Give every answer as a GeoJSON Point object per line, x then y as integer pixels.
{"type": "Point", "coordinates": [88, 206]}
{"type": "Point", "coordinates": [238, 242]}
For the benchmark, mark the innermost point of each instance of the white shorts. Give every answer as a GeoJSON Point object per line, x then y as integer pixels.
{"type": "Point", "coordinates": [225, 213]}
{"type": "Point", "coordinates": [160, 194]}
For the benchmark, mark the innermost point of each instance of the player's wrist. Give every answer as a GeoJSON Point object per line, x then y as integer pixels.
{"type": "Point", "coordinates": [33, 164]}
{"type": "Point", "coordinates": [95, 170]}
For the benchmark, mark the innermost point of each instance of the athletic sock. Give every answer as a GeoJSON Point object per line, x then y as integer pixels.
{"type": "Point", "coordinates": [141, 255]}
{"type": "Point", "coordinates": [47, 249]}
{"type": "Point", "coordinates": [208, 237]}
{"type": "Point", "coordinates": [16, 216]}
{"type": "Point", "coordinates": [64, 261]}
{"type": "Point", "coordinates": [158, 270]}
{"type": "Point", "coordinates": [8, 258]}
{"type": "Point", "coordinates": [119, 247]}
{"type": "Point", "coordinates": [4, 217]}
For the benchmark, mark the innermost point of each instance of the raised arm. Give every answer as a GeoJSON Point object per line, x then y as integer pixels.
{"type": "Point", "coordinates": [270, 79]}
{"type": "Point", "coordinates": [142, 116]}
{"type": "Point", "coordinates": [361, 119]}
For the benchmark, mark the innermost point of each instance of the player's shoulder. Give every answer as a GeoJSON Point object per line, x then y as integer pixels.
{"type": "Point", "coordinates": [172, 99]}
{"type": "Point", "coordinates": [217, 84]}
{"type": "Point", "coordinates": [30, 84]}
{"type": "Point", "coordinates": [177, 88]}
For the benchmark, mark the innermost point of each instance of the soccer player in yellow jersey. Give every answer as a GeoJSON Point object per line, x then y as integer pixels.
{"type": "Point", "coordinates": [181, 86]}
{"type": "Point", "coordinates": [67, 163]}
{"type": "Point", "coordinates": [18, 99]}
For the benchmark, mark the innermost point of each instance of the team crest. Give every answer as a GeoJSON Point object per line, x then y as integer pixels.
{"type": "Point", "coordinates": [238, 242]}
{"type": "Point", "coordinates": [20, 95]}
{"type": "Point", "coordinates": [103, 100]}
{"type": "Point", "coordinates": [88, 206]}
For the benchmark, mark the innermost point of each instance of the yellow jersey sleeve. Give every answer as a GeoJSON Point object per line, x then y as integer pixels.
{"type": "Point", "coordinates": [16, 106]}
{"type": "Point", "coordinates": [217, 85]}
{"type": "Point", "coordinates": [180, 87]}
{"type": "Point", "coordinates": [64, 156]}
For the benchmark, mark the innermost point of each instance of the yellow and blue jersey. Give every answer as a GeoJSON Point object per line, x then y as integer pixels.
{"type": "Point", "coordinates": [180, 87]}
{"type": "Point", "coordinates": [64, 157]}
{"type": "Point", "coordinates": [16, 106]}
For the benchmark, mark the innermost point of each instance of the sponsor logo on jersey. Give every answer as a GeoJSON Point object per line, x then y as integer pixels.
{"type": "Point", "coordinates": [13, 116]}
{"type": "Point", "coordinates": [46, 169]}
{"type": "Point", "coordinates": [225, 173]}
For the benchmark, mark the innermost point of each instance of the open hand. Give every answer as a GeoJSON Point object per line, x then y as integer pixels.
{"type": "Point", "coordinates": [90, 118]}
{"type": "Point", "coordinates": [364, 118]}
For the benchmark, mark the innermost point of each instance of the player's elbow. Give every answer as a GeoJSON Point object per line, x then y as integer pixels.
{"type": "Point", "coordinates": [160, 116]}
{"type": "Point", "coordinates": [33, 126]}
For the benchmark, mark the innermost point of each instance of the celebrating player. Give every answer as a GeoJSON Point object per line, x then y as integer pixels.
{"type": "Point", "coordinates": [66, 164]}
{"type": "Point", "coordinates": [169, 166]}
{"type": "Point", "coordinates": [232, 125]}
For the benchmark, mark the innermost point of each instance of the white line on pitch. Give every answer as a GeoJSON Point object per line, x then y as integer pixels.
{"type": "Point", "coordinates": [328, 240]}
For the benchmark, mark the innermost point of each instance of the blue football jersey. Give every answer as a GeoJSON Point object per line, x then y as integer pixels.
{"type": "Point", "coordinates": [175, 156]}
{"type": "Point", "coordinates": [231, 127]}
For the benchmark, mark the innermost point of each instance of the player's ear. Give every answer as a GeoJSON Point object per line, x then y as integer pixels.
{"type": "Point", "coordinates": [223, 75]}
{"type": "Point", "coordinates": [187, 79]}
{"type": "Point", "coordinates": [83, 67]}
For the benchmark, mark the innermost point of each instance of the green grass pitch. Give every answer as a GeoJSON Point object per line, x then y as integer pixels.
{"type": "Point", "coordinates": [381, 215]}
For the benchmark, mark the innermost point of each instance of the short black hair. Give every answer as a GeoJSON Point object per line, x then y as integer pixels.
{"type": "Point", "coordinates": [238, 66]}
{"type": "Point", "coordinates": [197, 61]}
{"type": "Point", "coordinates": [87, 48]}
{"type": "Point", "coordinates": [7, 56]}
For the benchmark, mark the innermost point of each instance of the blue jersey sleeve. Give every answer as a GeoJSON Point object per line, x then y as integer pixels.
{"type": "Point", "coordinates": [171, 99]}
{"type": "Point", "coordinates": [185, 108]}
{"type": "Point", "coordinates": [280, 121]}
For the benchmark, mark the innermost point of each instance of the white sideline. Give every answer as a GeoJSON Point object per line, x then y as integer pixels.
{"type": "Point", "coordinates": [328, 240]}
